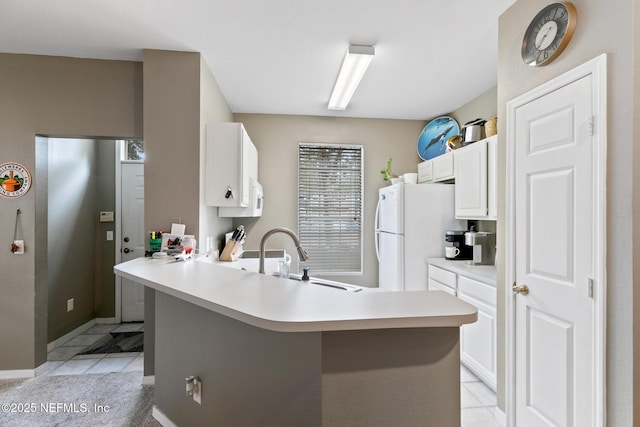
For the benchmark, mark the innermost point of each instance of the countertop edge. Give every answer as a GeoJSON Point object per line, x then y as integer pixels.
{"type": "Point", "coordinates": [483, 273]}
{"type": "Point", "coordinates": [461, 317]}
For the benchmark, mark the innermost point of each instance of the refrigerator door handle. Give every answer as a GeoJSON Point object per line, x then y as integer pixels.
{"type": "Point", "coordinates": [377, 231]}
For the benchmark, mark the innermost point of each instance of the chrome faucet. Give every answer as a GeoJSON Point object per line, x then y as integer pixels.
{"type": "Point", "coordinates": [302, 255]}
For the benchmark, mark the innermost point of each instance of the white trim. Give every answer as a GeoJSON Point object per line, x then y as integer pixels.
{"type": "Point", "coordinates": [596, 67]}
{"type": "Point", "coordinates": [118, 232]}
{"type": "Point", "coordinates": [42, 369]}
{"type": "Point", "coordinates": [149, 380]}
{"type": "Point", "coordinates": [17, 373]}
{"type": "Point", "coordinates": [162, 418]}
{"type": "Point", "coordinates": [70, 335]}
{"type": "Point", "coordinates": [24, 373]}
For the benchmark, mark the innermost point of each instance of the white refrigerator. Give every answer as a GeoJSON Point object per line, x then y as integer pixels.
{"type": "Point", "coordinates": [411, 220]}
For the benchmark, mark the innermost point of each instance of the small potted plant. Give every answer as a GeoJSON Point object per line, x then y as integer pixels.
{"type": "Point", "coordinates": [387, 174]}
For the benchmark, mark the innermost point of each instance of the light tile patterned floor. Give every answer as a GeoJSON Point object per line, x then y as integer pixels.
{"type": "Point", "coordinates": [66, 360]}
{"type": "Point", "coordinates": [477, 400]}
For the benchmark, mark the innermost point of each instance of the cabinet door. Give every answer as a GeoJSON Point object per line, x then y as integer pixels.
{"type": "Point", "coordinates": [443, 167]}
{"type": "Point", "coordinates": [425, 171]}
{"type": "Point", "coordinates": [471, 181]}
{"type": "Point", "coordinates": [478, 341]}
{"type": "Point", "coordinates": [231, 159]}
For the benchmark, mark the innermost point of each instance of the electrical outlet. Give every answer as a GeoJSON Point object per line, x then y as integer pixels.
{"type": "Point", "coordinates": [18, 247]}
{"type": "Point", "coordinates": [69, 304]}
{"type": "Point", "coordinates": [197, 390]}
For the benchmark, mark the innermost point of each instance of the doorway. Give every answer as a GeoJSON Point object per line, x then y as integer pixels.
{"type": "Point", "coordinates": [556, 150]}
{"type": "Point", "coordinates": [76, 228]}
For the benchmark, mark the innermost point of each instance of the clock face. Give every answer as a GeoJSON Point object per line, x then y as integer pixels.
{"type": "Point", "coordinates": [549, 33]}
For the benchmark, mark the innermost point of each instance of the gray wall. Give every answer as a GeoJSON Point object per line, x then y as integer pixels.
{"type": "Point", "coordinates": [603, 27]}
{"type": "Point", "coordinates": [276, 138]}
{"type": "Point", "coordinates": [180, 97]}
{"type": "Point", "coordinates": [80, 260]}
{"type": "Point", "coordinates": [72, 207]}
{"type": "Point", "coordinates": [105, 299]}
{"type": "Point", "coordinates": [50, 96]}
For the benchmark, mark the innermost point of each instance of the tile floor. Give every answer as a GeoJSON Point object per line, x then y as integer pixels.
{"type": "Point", "coordinates": [65, 360]}
{"type": "Point", "coordinates": [478, 401]}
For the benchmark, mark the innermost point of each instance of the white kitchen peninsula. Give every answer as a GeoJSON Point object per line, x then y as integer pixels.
{"type": "Point", "coordinates": [273, 352]}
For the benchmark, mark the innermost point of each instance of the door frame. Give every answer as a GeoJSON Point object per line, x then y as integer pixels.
{"type": "Point", "coordinates": [597, 68]}
{"type": "Point", "coordinates": [118, 231]}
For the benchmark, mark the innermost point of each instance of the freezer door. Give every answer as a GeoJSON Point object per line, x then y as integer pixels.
{"type": "Point", "coordinates": [391, 265]}
{"type": "Point", "coordinates": [391, 214]}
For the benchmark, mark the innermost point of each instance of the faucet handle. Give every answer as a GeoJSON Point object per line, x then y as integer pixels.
{"type": "Point", "coordinates": [305, 274]}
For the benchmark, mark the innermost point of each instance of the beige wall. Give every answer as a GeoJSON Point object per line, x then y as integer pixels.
{"type": "Point", "coordinates": [485, 106]}
{"type": "Point", "coordinates": [636, 215]}
{"type": "Point", "coordinates": [603, 27]}
{"type": "Point", "coordinates": [276, 138]}
{"type": "Point", "coordinates": [50, 96]}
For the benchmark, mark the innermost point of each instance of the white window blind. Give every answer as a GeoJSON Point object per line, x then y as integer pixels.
{"type": "Point", "coordinates": [330, 206]}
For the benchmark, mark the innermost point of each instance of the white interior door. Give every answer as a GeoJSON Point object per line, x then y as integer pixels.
{"type": "Point", "coordinates": [133, 237]}
{"type": "Point", "coordinates": [554, 221]}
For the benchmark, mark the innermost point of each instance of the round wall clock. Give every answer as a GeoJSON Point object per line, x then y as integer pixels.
{"type": "Point", "coordinates": [15, 180]}
{"type": "Point", "coordinates": [549, 33]}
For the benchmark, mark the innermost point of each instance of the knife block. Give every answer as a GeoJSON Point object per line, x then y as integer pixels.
{"type": "Point", "coordinates": [229, 251]}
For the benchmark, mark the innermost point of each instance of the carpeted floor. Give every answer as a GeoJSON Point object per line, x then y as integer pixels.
{"type": "Point", "coordinates": [114, 400]}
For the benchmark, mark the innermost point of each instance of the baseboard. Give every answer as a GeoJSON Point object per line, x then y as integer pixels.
{"type": "Point", "coordinates": [41, 369]}
{"type": "Point", "coordinates": [70, 335]}
{"type": "Point", "coordinates": [162, 418]}
{"type": "Point", "coordinates": [106, 321]}
{"type": "Point", "coordinates": [24, 373]}
{"type": "Point", "coordinates": [17, 373]}
{"type": "Point", "coordinates": [149, 380]}
{"type": "Point", "coordinates": [500, 416]}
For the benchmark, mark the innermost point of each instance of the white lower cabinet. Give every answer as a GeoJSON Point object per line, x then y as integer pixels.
{"type": "Point", "coordinates": [478, 341]}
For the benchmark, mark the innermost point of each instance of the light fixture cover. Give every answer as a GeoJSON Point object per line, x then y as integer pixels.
{"type": "Point", "coordinates": [354, 65]}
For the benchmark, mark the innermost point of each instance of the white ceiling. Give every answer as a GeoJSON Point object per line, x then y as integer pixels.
{"type": "Point", "coordinates": [282, 56]}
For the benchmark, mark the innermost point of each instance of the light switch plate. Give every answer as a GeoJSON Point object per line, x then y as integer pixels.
{"type": "Point", "coordinates": [109, 235]}
{"type": "Point", "coordinates": [20, 245]}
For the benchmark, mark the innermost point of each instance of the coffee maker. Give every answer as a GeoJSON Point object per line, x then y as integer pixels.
{"type": "Point", "coordinates": [483, 245]}
{"type": "Point", "coordinates": [454, 246]}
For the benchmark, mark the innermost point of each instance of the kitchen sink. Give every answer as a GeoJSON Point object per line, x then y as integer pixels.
{"type": "Point", "coordinates": [324, 282]}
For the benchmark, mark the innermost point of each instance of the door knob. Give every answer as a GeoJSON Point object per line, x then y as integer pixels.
{"type": "Point", "coordinates": [126, 250]}
{"type": "Point", "coordinates": [520, 289]}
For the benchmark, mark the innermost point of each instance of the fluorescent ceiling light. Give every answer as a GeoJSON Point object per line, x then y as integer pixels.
{"type": "Point", "coordinates": [353, 68]}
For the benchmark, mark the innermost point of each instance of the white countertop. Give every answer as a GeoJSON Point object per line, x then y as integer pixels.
{"type": "Point", "coordinates": [483, 273]}
{"type": "Point", "coordinates": [277, 304]}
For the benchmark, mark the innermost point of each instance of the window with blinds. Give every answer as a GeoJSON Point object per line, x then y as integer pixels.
{"type": "Point", "coordinates": [330, 206]}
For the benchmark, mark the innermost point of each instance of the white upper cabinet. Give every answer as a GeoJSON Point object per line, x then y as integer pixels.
{"type": "Point", "coordinates": [438, 169]}
{"type": "Point", "coordinates": [475, 175]}
{"type": "Point", "coordinates": [232, 161]}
